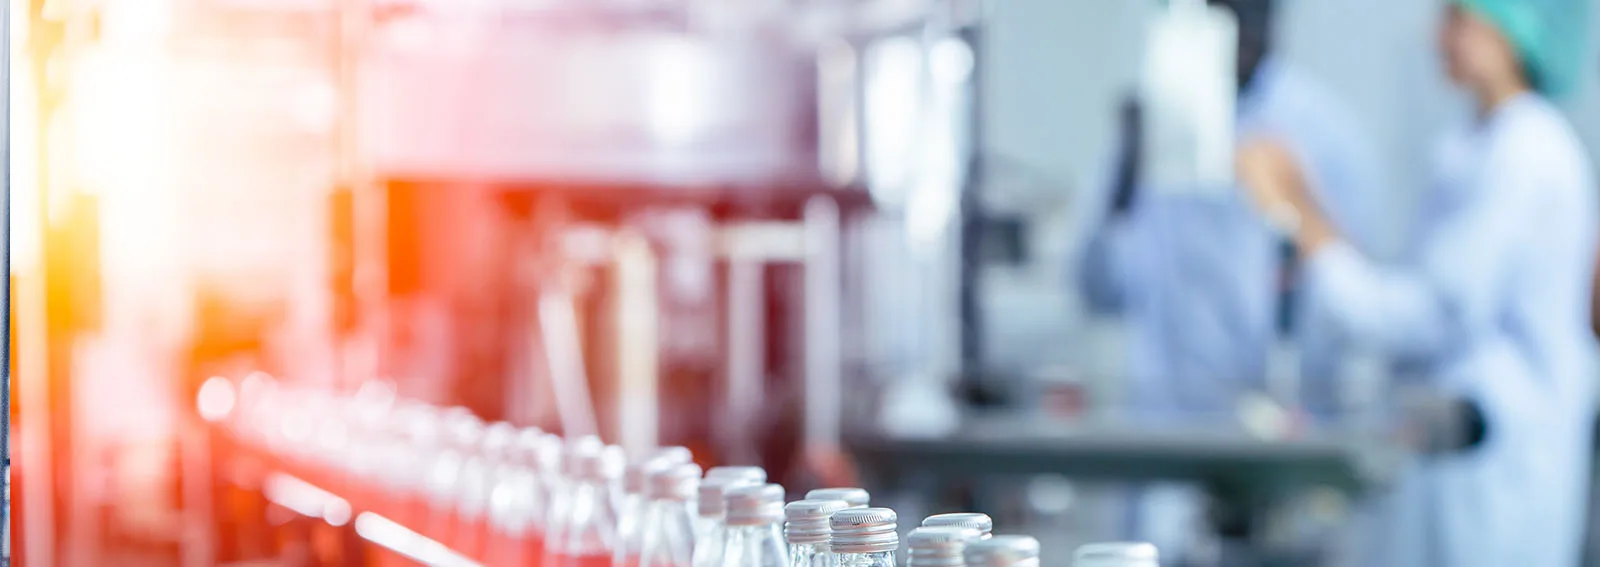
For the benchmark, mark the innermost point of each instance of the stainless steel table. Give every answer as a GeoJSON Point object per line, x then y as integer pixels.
{"type": "Point", "coordinates": [1248, 477]}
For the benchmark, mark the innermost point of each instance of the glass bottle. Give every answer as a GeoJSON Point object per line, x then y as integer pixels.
{"type": "Point", "coordinates": [863, 537]}
{"type": "Point", "coordinates": [463, 433]}
{"type": "Point", "coordinates": [1117, 554]}
{"type": "Point", "coordinates": [755, 527]}
{"type": "Point", "coordinates": [630, 516]}
{"type": "Point", "coordinates": [938, 546]}
{"type": "Point", "coordinates": [710, 530]}
{"type": "Point", "coordinates": [667, 532]}
{"type": "Point", "coordinates": [474, 488]}
{"type": "Point", "coordinates": [511, 516]}
{"type": "Point", "coordinates": [421, 440]}
{"type": "Point", "coordinates": [582, 530]}
{"type": "Point", "coordinates": [806, 529]}
{"type": "Point", "coordinates": [980, 522]}
{"type": "Point", "coordinates": [855, 497]}
{"type": "Point", "coordinates": [544, 455]}
{"type": "Point", "coordinates": [1005, 551]}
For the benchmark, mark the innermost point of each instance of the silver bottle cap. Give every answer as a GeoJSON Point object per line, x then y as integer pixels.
{"type": "Point", "coordinates": [575, 455]}
{"type": "Point", "coordinates": [586, 461]}
{"type": "Point", "coordinates": [639, 469]}
{"type": "Point", "coordinates": [677, 482]}
{"type": "Point", "coordinates": [754, 505]}
{"type": "Point", "coordinates": [547, 455]}
{"type": "Point", "coordinates": [753, 474]}
{"type": "Point", "coordinates": [1003, 551]}
{"type": "Point", "coordinates": [1117, 554]}
{"type": "Point", "coordinates": [938, 546]}
{"type": "Point", "coordinates": [712, 491]}
{"type": "Point", "coordinates": [807, 520]}
{"type": "Point", "coordinates": [499, 438]}
{"type": "Point", "coordinates": [525, 448]}
{"type": "Point", "coordinates": [863, 530]}
{"type": "Point", "coordinates": [674, 454]}
{"type": "Point", "coordinates": [612, 461]}
{"type": "Point", "coordinates": [465, 430]}
{"type": "Point", "coordinates": [980, 522]}
{"type": "Point", "coordinates": [855, 497]}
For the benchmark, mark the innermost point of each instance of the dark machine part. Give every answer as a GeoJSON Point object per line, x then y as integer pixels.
{"type": "Point", "coordinates": [972, 219]}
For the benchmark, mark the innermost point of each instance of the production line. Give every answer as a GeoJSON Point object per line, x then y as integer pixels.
{"type": "Point", "coordinates": [383, 481]}
{"type": "Point", "coordinates": [613, 283]}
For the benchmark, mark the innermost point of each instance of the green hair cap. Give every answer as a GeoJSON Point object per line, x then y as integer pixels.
{"type": "Point", "coordinates": [1551, 37]}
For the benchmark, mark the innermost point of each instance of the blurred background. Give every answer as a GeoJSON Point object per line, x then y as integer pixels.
{"type": "Point", "coordinates": [834, 238]}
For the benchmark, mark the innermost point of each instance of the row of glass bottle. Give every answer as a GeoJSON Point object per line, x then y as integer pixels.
{"type": "Point", "coordinates": [516, 497]}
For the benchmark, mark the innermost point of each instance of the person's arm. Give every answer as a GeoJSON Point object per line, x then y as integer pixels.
{"type": "Point", "coordinates": [1343, 176]}
{"type": "Point", "coordinates": [1416, 310]}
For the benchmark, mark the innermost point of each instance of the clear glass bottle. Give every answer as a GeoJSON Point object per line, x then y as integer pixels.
{"type": "Point", "coordinates": [855, 497]}
{"type": "Point", "coordinates": [1004, 551]}
{"type": "Point", "coordinates": [631, 511]}
{"type": "Point", "coordinates": [511, 516]}
{"type": "Point", "coordinates": [709, 528]}
{"type": "Point", "coordinates": [1117, 554]}
{"type": "Point", "coordinates": [755, 527]}
{"type": "Point", "coordinates": [938, 546]}
{"type": "Point", "coordinates": [806, 529]}
{"type": "Point", "coordinates": [667, 532]}
{"type": "Point", "coordinates": [584, 529]}
{"type": "Point", "coordinates": [462, 435]}
{"type": "Point", "coordinates": [544, 453]}
{"type": "Point", "coordinates": [980, 522]}
{"type": "Point", "coordinates": [474, 487]}
{"type": "Point", "coordinates": [863, 537]}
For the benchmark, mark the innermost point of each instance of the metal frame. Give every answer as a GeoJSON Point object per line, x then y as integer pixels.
{"type": "Point", "coordinates": [5, 253]}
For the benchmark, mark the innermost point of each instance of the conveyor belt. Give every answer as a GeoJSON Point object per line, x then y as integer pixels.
{"type": "Point", "coordinates": [988, 446]}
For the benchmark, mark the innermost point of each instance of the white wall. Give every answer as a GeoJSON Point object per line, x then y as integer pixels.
{"type": "Point", "coordinates": [1056, 69]}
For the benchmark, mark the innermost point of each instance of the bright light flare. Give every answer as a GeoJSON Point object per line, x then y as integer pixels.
{"type": "Point", "coordinates": [387, 533]}
{"type": "Point", "coordinates": [306, 499]}
{"type": "Point", "coordinates": [216, 399]}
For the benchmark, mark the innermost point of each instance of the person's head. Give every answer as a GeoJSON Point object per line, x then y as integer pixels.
{"type": "Point", "coordinates": [1477, 55]}
{"type": "Point", "coordinates": [1538, 44]}
{"type": "Point", "coordinates": [1255, 33]}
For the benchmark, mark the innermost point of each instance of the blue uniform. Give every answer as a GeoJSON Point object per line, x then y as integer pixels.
{"type": "Point", "coordinates": [1493, 307]}
{"type": "Point", "coordinates": [1196, 274]}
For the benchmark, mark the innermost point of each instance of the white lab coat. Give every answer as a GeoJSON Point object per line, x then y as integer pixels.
{"type": "Point", "coordinates": [1493, 307]}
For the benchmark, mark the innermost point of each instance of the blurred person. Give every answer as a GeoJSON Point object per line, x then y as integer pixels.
{"type": "Point", "coordinates": [1198, 276]}
{"type": "Point", "coordinates": [1493, 307]}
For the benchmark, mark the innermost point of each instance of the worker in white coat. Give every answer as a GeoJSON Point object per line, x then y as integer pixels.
{"type": "Point", "coordinates": [1493, 309]}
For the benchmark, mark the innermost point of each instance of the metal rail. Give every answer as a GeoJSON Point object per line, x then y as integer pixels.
{"type": "Point", "coordinates": [5, 253]}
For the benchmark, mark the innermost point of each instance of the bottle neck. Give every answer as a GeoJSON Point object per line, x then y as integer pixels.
{"type": "Point", "coordinates": [706, 525]}
{"type": "Point", "coordinates": [772, 531]}
{"type": "Point", "coordinates": [879, 559]}
{"type": "Point", "coordinates": [807, 549]}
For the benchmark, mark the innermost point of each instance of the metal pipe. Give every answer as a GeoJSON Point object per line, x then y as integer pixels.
{"type": "Point", "coordinates": [746, 348]}
{"type": "Point", "coordinates": [823, 368]}
{"type": "Point", "coordinates": [558, 320]}
{"type": "Point", "coordinates": [638, 344]}
{"type": "Point", "coordinates": [5, 253]}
